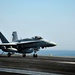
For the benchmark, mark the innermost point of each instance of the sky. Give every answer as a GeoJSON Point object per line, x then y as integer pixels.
{"type": "Point", "coordinates": [53, 20]}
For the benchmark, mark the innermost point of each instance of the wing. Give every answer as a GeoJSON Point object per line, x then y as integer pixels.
{"type": "Point", "coordinates": [25, 43]}
{"type": "Point", "coordinates": [19, 44]}
{"type": "Point", "coordinates": [8, 44]}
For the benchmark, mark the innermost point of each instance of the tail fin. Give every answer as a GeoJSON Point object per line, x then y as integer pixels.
{"type": "Point", "coordinates": [3, 39]}
{"type": "Point", "coordinates": [15, 37]}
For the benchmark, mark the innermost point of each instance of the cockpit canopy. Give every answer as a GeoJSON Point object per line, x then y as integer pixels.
{"type": "Point", "coordinates": [37, 37]}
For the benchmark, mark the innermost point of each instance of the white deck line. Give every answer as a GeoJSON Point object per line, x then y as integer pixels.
{"type": "Point", "coordinates": [26, 72]}
{"type": "Point", "coordinates": [66, 62]}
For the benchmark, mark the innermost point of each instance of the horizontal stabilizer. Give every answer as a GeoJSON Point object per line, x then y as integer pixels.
{"type": "Point", "coordinates": [3, 39]}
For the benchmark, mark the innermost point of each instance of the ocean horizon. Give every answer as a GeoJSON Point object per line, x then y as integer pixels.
{"type": "Point", "coordinates": [52, 52]}
{"type": "Point", "coordinates": [56, 52]}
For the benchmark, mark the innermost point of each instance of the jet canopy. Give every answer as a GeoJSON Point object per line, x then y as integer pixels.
{"type": "Point", "coordinates": [37, 37]}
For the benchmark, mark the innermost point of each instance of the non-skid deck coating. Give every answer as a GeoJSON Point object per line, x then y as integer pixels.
{"type": "Point", "coordinates": [43, 65]}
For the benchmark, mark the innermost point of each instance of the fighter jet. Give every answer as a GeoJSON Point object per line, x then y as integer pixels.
{"type": "Point", "coordinates": [24, 46]}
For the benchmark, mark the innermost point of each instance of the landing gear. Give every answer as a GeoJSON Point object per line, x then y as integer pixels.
{"type": "Point", "coordinates": [9, 54]}
{"type": "Point", "coordinates": [24, 55]}
{"type": "Point", "coordinates": [35, 55]}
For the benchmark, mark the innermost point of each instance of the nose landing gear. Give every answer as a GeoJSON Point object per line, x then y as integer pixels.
{"type": "Point", "coordinates": [35, 55]}
{"type": "Point", "coordinates": [24, 55]}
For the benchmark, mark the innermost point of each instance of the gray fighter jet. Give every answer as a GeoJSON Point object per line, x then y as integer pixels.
{"type": "Point", "coordinates": [24, 46]}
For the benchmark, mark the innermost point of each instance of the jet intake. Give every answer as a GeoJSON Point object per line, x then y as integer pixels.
{"type": "Point", "coordinates": [26, 50]}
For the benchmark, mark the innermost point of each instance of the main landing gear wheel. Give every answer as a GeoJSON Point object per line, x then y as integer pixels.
{"type": "Point", "coordinates": [35, 55]}
{"type": "Point", "coordinates": [24, 55]}
{"type": "Point", "coordinates": [9, 54]}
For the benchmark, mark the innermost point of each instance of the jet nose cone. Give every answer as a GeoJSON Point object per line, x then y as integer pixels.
{"type": "Point", "coordinates": [53, 43]}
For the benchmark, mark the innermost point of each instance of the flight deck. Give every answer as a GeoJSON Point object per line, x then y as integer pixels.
{"type": "Point", "coordinates": [43, 65]}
